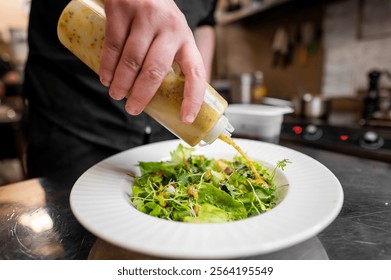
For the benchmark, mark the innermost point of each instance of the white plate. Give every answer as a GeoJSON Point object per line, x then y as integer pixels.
{"type": "Point", "coordinates": [100, 202]}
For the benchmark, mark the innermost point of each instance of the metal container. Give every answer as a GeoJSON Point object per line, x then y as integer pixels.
{"type": "Point", "coordinates": [312, 106]}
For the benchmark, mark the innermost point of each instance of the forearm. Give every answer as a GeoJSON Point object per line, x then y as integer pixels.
{"type": "Point", "coordinates": [205, 39]}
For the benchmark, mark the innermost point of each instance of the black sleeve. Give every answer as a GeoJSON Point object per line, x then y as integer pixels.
{"type": "Point", "coordinates": [210, 18]}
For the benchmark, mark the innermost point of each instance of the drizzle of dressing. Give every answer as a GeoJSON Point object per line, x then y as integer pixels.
{"type": "Point", "coordinates": [231, 142]}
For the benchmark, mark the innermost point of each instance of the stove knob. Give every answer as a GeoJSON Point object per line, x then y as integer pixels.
{"type": "Point", "coordinates": [371, 137]}
{"type": "Point", "coordinates": [311, 129]}
{"type": "Point", "coordinates": [371, 140]}
{"type": "Point", "coordinates": [312, 132]}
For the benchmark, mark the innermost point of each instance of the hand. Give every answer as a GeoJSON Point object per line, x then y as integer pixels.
{"type": "Point", "coordinates": [143, 38]}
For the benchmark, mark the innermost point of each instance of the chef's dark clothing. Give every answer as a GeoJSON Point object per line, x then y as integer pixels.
{"type": "Point", "coordinates": [72, 121]}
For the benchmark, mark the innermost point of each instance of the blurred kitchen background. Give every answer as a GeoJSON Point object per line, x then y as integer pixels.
{"type": "Point", "coordinates": [13, 54]}
{"type": "Point", "coordinates": [313, 46]}
{"type": "Point", "coordinates": [328, 60]}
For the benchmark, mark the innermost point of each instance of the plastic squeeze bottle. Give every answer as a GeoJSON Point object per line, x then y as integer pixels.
{"type": "Point", "coordinates": [81, 29]}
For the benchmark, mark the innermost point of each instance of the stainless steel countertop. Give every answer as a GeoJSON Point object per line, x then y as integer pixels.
{"type": "Point", "coordinates": [36, 221]}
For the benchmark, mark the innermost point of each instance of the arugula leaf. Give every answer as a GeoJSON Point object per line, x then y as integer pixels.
{"type": "Point", "coordinates": [280, 164]}
{"type": "Point", "coordinates": [181, 154]}
{"type": "Point", "coordinates": [212, 195]}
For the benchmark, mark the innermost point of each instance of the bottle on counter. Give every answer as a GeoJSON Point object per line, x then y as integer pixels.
{"type": "Point", "coordinates": [371, 101]}
{"type": "Point", "coordinates": [258, 90]}
{"type": "Point", "coordinates": [81, 29]}
{"type": "Point", "coordinates": [245, 88]}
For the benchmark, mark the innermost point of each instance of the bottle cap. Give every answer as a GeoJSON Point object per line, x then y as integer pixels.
{"type": "Point", "coordinates": [222, 126]}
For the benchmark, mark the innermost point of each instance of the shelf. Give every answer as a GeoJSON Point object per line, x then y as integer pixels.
{"type": "Point", "coordinates": [223, 17]}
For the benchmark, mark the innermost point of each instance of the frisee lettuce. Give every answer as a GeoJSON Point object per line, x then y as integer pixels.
{"type": "Point", "coordinates": [196, 189]}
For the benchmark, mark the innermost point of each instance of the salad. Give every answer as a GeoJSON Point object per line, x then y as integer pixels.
{"type": "Point", "coordinates": [196, 189]}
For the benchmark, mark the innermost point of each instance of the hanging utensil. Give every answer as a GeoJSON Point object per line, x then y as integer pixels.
{"type": "Point", "coordinates": [307, 34]}
{"type": "Point", "coordinates": [288, 58]}
{"type": "Point", "coordinates": [279, 46]}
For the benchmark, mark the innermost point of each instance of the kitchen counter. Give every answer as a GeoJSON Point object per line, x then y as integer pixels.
{"type": "Point", "coordinates": [362, 230]}
{"type": "Point", "coordinates": [37, 223]}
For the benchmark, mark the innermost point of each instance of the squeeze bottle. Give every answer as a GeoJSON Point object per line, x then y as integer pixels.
{"type": "Point", "coordinates": [81, 29]}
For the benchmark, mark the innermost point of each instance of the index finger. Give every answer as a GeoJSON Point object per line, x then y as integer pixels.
{"type": "Point", "coordinates": [191, 64]}
{"type": "Point", "coordinates": [116, 34]}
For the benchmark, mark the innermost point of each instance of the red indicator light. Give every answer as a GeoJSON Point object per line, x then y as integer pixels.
{"type": "Point", "coordinates": [297, 129]}
{"type": "Point", "coordinates": [344, 137]}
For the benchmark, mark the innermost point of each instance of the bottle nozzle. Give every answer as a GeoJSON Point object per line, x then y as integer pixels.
{"type": "Point", "coordinates": [222, 126]}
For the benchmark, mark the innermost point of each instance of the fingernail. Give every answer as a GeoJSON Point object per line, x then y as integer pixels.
{"type": "Point", "coordinates": [189, 118]}
{"type": "Point", "coordinates": [131, 110]}
{"type": "Point", "coordinates": [104, 82]}
{"type": "Point", "coordinates": [115, 95]}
